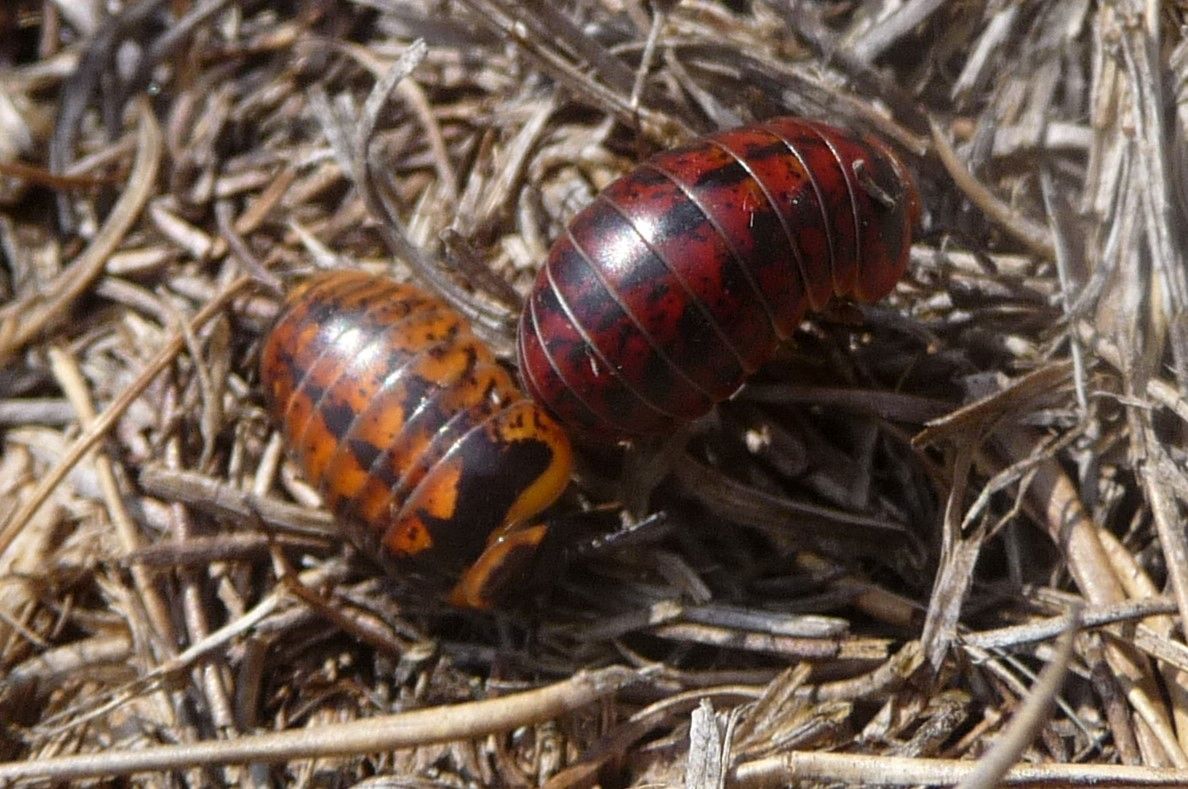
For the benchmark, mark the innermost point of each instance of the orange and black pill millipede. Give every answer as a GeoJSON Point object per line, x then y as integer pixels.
{"type": "Point", "coordinates": [418, 441]}
{"type": "Point", "coordinates": [682, 277]}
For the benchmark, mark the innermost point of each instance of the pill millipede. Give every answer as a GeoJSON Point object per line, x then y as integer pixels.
{"type": "Point", "coordinates": [418, 440]}
{"type": "Point", "coordinates": [683, 276]}
{"type": "Point", "coordinates": [658, 301]}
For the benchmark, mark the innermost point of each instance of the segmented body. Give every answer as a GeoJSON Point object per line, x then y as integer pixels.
{"type": "Point", "coordinates": [682, 277]}
{"type": "Point", "coordinates": [416, 438]}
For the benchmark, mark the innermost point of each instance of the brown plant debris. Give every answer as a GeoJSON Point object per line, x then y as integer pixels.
{"type": "Point", "coordinates": [940, 540]}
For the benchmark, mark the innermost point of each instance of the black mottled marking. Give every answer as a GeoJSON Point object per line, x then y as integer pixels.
{"type": "Point", "coordinates": [575, 405]}
{"type": "Point", "coordinates": [686, 219]}
{"type": "Point", "coordinates": [643, 267]}
{"type": "Point", "coordinates": [754, 159]}
{"type": "Point", "coordinates": [701, 333]}
{"type": "Point", "coordinates": [647, 177]}
{"type": "Point", "coordinates": [337, 416]}
{"type": "Point", "coordinates": [585, 290]}
{"type": "Point", "coordinates": [324, 312]}
{"type": "Point", "coordinates": [383, 310]}
{"type": "Point", "coordinates": [381, 469]}
{"type": "Point", "coordinates": [683, 218]}
{"type": "Point", "coordinates": [657, 292]}
{"type": "Point", "coordinates": [494, 474]}
{"type": "Point", "coordinates": [285, 359]}
{"type": "Point", "coordinates": [424, 406]}
{"type": "Point", "coordinates": [727, 176]}
{"type": "Point", "coordinates": [312, 391]}
{"type": "Point", "coordinates": [419, 393]}
{"type": "Point", "coordinates": [757, 152]}
{"type": "Point", "coordinates": [367, 455]}
{"type": "Point", "coordinates": [378, 460]}
{"type": "Point", "coordinates": [365, 452]}
{"type": "Point", "coordinates": [735, 272]}
{"type": "Point", "coordinates": [556, 345]}
{"type": "Point", "coordinates": [490, 389]}
{"type": "Point", "coordinates": [645, 271]}
{"type": "Point", "coordinates": [318, 308]}
{"type": "Point", "coordinates": [450, 428]}
{"type": "Point", "coordinates": [636, 274]}
{"type": "Point", "coordinates": [622, 397]}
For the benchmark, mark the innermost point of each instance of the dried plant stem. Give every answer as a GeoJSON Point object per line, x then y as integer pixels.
{"type": "Point", "coordinates": [1028, 720]}
{"type": "Point", "coordinates": [807, 21]}
{"type": "Point", "coordinates": [877, 684]}
{"type": "Point", "coordinates": [108, 418]}
{"type": "Point", "coordinates": [229, 501]}
{"type": "Point", "coordinates": [1042, 348]}
{"type": "Point", "coordinates": [26, 318]}
{"type": "Point", "coordinates": [71, 380]}
{"type": "Point", "coordinates": [900, 23]}
{"type": "Point", "coordinates": [1054, 496]}
{"type": "Point", "coordinates": [1155, 634]}
{"type": "Point", "coordinates": [61, 663]}
{"type": "Point", "coordinates": [370, 735]}
{"type": "Point", "coordinates": [863, 769]}
{"type": "Point", "coordinates": [1034, 237]}
{"type": "Point", "coordinates": [1043, 629]}
{"type": "Point", "coordinates": [508, 21]}
{"type": "Point", "coordinates": [1151, 459]}
{"type": "Point", "coordinates": [211, 676]}
{"type": "Point", "coordinates": [1159, 390]}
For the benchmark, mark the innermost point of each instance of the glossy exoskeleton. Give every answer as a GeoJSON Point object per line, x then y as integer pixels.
{"type": "Point", "coordinates": [417, 439]}
{"type": "Point", "coordinates": [683, 276]}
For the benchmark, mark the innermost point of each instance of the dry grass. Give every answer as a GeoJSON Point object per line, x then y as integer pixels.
{"type": "Point", "coordinates": [857, 569]}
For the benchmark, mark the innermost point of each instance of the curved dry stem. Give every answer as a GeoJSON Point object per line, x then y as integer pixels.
{"type": "Point", "coordinates": [28, 317]}
{"type": "Point", "coordinates": [1055, 500]}
{"type": "Point", "coordinates": [1027, 722]}
{"type": "Point", "coordinates": [370, 735]}
{"type": "Point", "coordinates": [863, 769]}
{"type": "Point", "coordinates": [1033, 236]}
{"type": "Point", "coordinates": [107, 419]}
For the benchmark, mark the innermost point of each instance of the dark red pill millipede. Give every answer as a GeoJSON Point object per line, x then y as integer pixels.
{"type": "Point", "coordinates": [417, 439]}
{"type": "Point", "coordinates": [682, 277]}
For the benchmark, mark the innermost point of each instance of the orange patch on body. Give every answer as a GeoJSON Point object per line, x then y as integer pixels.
{"type": "Point", "coordinates": [408, 537]}
{"type": "Point", "coordinates": [438, 492]}
{"type": "Point", "coordinates": [436, 498]}
{"type": "Point", "coordinates": [505, 554]}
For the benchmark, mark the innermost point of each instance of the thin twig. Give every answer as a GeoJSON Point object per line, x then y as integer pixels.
{"type": "Point", "coordinates": [28, 317]}
{"type": "Point", "coordinates": [113, 412]}
{"type": "Point", "coordinates": [1034, 237]}
{"type": "Point", "coordinates": [1034, 713]}
{"type": "Point", "coordinates": [371, 735]}
{"type": "Point", "coordinates": [800, 767]}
